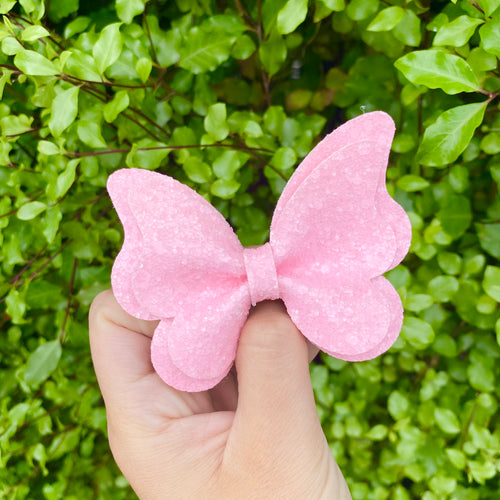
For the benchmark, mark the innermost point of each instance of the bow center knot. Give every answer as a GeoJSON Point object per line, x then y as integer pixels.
{"type": "Point", "coordinates": [261, 273]}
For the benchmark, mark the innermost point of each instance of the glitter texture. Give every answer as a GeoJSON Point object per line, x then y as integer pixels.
{"type": "Point", "coordinates": [334, 232]}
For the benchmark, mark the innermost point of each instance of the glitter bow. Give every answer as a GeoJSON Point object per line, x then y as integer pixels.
{"type": "Point", "coordinates": [334, 232]}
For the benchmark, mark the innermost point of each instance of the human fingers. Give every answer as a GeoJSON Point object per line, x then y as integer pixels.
{"type": "Point", "coordinates": [120, 346]}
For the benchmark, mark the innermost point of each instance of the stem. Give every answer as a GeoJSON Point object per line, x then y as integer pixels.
{"type": "Point", "coordinates": [27, 266]}
{"type": "Point", "coordinates": [109, 84]}
{"type": "Point", "coordinates": [155, 148]}
{"type": "Point", "coordinates": [148, 32]}
{"type": "Point", "coordinates": [467, 425]}
{"type": "Point", "coordinates": [140, 125]}
{"type": "Point", "coordinates": [476, 6]}
{"type": "Point", "coordinates": [60, 337]}
{"type": "Point", "coordinates": [47, 262]}
{"type": "Point", "coordinates": [12, 136]}
{"type": "Point", "coordinates": [265, 77]}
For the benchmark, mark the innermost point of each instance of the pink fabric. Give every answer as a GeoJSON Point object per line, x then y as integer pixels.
{"type": "Point", "coordinates": [261, 273]}
{"type": "Point", "coordinates": [334, 232]}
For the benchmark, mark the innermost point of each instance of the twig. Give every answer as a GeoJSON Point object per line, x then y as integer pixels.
{"type": "Point", "coordinates": [148, 32]}
{"type": "Point", "coordinates": [156, 148]}
{"type": "Point", "coordinates": [28, 265]}
{"type": "Point", "coordinates": [60, 337]}
{"type": "Point", "coordinates": [467, 425]}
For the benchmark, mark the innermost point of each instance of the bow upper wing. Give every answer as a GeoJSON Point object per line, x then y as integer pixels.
{"type": "Point", "coordinates": [377, 127]}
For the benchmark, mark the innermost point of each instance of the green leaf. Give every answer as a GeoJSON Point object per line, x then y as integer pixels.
{"type": "Point", "coordinates": [481, 377]}
{"type": "Point", "coordinates": [291, 15]}
{"type": "Point", "coordinates": [42, 362]}
{"type": "Point", "coordinates": [417, 332]}
{"type": "Point", "coordinates": [377, 433]}
{"type": "Point", "coordinates": [387, 19]}
{"type": "Point", "coordinates": [489, 238]}
{"type": "Point", "coordinates": [490, 143]}
{"type": "Point", "coordinates": [273, 54]}
{"type": "Point", "coordinates": [456, 215]}
{"type": "Point", "coordinates": [147, 157]}
{"type": "Point", "coordinates": [450, 263]}
{"type": "Point", "coordinates": [6, 6]}
{"type": "Point", "coordinates": [443, 288]}
{"type": "Point", "coordinates": [59, 9]}
{"type": "Point", "coordinates": [489, 6]}
{"type": "Point", "coordinates": [418, 302]}
{"type": "Point", "coordinates": [90, 134]}
{"type": "Point", "coordinates": [64, 110]}
{"type": "Point", "coordinates": [437, 69]}
{"type": "Point", "coordinates": [491, 282]}
{"type": "Point", "coordinates": [334, 5]}
{"type": "Point", "coordinates": [143, 67]}
{"type": "Point", "coordinates": [66, 178]}
{"type": "Point", "coordinates": [215, 121]}
{"type": "Point", "coordinates": [480, 60]}
{"type": "Point", "coordinates": [319, 376]}
{"type": "Point", "coordinates": [398, 405]}
{"type": "Point", "coordinates": [31, 210]}
{"type": "Point", "coordinates": [458, 178]}
{"type": "Point", "coordinates": [11, 46]}
{"type": "Point", "coordinates": [128, 9]}
{"type": "Point", "coordinates": [243, 48]}
{"type": "Point", "coordinates": [50, 223]}
{"type": "Point", "coordinates": [411, 183]}
{"type": "Point", "coordinates": [34, 32]}
{"type": "Point", "coordinates": [408, 30]}
{"type": "Point", "coordinates": [108, 47]}
{"type": "Point", "coordinates": [227, 164]}
{"type": "Point", "coordinates": [457, 457]}
{"type": "Point", "coordinates": [42, 294]}
{"type": "Point", "coordinates": [447, 420]}
{"type": "Point", "coordinates": [205, 50]}
{"type": "Point", "coordinates": [490, 37]}
{"type": "Point", "coordinates": [458, 32]}
{"type": "Point", "coordinates": [48, 148]}
{"type": "Point", "coordinates": [15, 125]}
{"type": "Point", "coordinates": [357, 10]}
{"type": "Point", "coordinates": [35, 8]}
{"type": "Point", "coordinates": [76, 26]}
{"type": "Point", "coordinates": [445, 345]}
{"type": "Point", "coordinates": [224, 189]}
{"type": "Point", "coordinates": [284, 159]}
{"type": "Point", "coordinates": [34, 64]}
{"type": "Point", "coordinates": [113, 108]}
{"type": "Point", "coordinates": [82, 66]}
{"type": "Point", "coordinates": [197, 170]}
{"type": "Point", "coordinates": [448, 137]}
{"type": "Point", "coordinates": [16, 306]}
{"type": "Point", "coordinates": [481, 471]}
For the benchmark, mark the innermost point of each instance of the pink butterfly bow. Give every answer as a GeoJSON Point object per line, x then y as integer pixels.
{"type": "Point", "coordinates": [334, 232]}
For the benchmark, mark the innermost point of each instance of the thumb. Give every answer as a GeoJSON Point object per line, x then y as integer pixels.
{"type": "Point", "coordinates": [275, 394]}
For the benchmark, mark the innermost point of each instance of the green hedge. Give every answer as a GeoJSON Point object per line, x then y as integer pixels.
{"type": "Point", "coordinates": [228, 97]}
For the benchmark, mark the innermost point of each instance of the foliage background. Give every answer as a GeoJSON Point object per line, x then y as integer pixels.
{"type": "Point", "coordinates": [228, 97]}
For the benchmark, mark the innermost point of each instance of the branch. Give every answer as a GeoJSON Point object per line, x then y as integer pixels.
{"type": "Point", "coordinates": [155, 148]}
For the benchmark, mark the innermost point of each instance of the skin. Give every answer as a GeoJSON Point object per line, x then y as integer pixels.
{"type": "Point", "coordinates": [254, 436]}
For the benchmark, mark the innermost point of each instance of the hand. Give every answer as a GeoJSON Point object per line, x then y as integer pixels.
{"type": "Point", "coordinates": [254, 436]}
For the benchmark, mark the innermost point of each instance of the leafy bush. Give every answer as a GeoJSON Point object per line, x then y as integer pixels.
{"type": "Point", "coordinates": [228, 97]}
